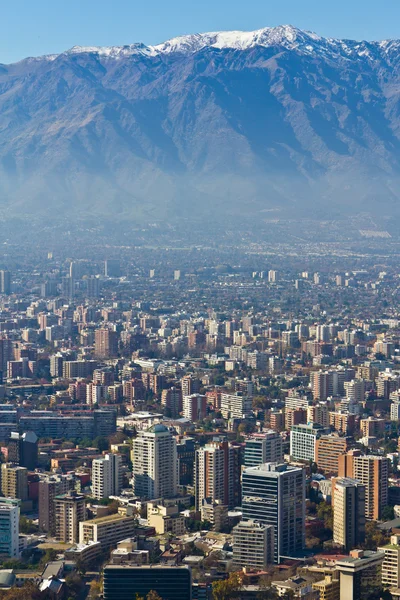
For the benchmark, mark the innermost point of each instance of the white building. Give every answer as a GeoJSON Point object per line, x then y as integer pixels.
{"type": "Point", "coordinates": [155, 463]}
{"type": "Point", "coordinates": [262, 448]}
{"type": "Point", "coordinates": [9, 526]}
{"type": "Point", "coordinates": [106, 476]}
{"type": "Point", "coordinates": [235, 406]}
{"type": "Point", "coordinates": [303, 439]}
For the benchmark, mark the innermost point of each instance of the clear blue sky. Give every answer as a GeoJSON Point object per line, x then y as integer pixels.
{"type": "Point", "coordinates": [35, 27]}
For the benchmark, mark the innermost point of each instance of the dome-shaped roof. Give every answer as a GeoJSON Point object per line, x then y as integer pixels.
{"type": "Point", "coordinates": [158, 428]}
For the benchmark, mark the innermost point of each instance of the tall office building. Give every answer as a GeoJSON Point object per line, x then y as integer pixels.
{"type": "Point", "coordinates": [274, 494]}
{"type": "Point", "coordinates": [5, 282]}
{"type": "Point", "coordinates": [348, 500]}
{"type": "Point", "coordinates": [14, 481]}
{"type": "Point", "coordinates": [9, 527]}
{"type": "Point", "coordinates": [262, 448]}
{"type": "Point", "coordinates": [49, 488]}
{"type": "Point", "coordinates": [105, 343]}
{"type": "Point", "coordinates": [371, 470]}
{"type": "Point", "coordinates": [253, 545]}
{"type": "Point", "coordinates": [128, 581]}
{"type": "Point", "coordinates": [70, 510]}
{"type": "Point", "coordinates": [154, 463]}
{"type": "Point", "coordinates": [217, 474]}
{"type": "Point", "coordinates": [106, 476]}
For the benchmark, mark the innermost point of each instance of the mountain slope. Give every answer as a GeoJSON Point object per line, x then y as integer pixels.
{"type": "Point", "coordinates": [209, 125]}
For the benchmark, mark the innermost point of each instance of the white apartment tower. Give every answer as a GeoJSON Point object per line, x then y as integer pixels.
{"type": "Point", "coordinates": [106, 476]}
{"type": "Point", "coordinates": [155, 463]}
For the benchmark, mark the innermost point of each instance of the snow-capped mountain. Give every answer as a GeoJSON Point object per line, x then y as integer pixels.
{"type": "Point", "coordinates": [217, 123]}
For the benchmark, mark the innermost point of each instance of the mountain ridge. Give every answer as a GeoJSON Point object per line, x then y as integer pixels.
{"type": "Point", "coordinates": [209, 125]}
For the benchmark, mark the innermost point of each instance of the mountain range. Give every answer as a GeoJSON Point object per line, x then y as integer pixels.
{"type": "Point", "coordinates": [276, 123]}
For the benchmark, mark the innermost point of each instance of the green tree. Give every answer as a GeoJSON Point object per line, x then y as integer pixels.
{"type": "Point", "coordinates": [388, 513]}
{"type": "Point", "coordinates": [101, 443]}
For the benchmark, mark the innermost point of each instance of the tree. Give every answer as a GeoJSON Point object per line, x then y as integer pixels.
{"type": "Point", "coordinates": [27, 525]}
{"type": "Point", "coordinates": [374, 537]}
{"type": "Point", "coordinates": [29, 591]}
{"type": "Point", "coordinates": [74, 584]}
{"type": "Point", "coordinates": [95, 590]}
{"type": "Point", "coordinates": [388, 513]}
{"type": "Point", "coordinates": [152, 595]}
{"type": "Point", "coordinates": [49, 556]}
{"type": "Point", "coordinates": [227, 588]}
{"type": "Point", "coordinates": [101, 443]}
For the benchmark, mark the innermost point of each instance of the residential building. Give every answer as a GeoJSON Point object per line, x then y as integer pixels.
{"type": "Point", "coordinates": [263, 447]}
{"type": "Point", "coordinates": [165, 519]}
{"type": "Point", "coordinates": [155, 463]}
{"type": "Point", "coordinates": [235, 406]}
{"type": "Point", "coordinates": [348, 501]}
{"type": "Point", "coordinates": [171, 399]}
{"type": "Point", "coordinates": [373, 472]}
{"type": "Point", "coordinates": [195, 407]}
{"type": "Point", "coordinates": [9, 527]}
{"type": "Point", "coordinates": [217, 473]}
{"type": "Point", "coordinates": [328, 448]}
{"type": "Point", "coordinates": [253, 545]}
{"type": "Point", "coordinates": [49, 488]}
{"type": "Point", "coordinates": [70, 510]}
{"type": "Point", "coordinates": [107, 530]}
{"type": "Point", "coordinates": [106, 476]}
{"type": "Point", "coordinates": [14, 481]}
{"type": "Point", "coordinates": [391, 563]}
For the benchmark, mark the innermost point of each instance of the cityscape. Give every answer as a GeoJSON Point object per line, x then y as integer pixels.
{"type": "Point", "coordinates": [199, 300]}
{"type": "Point", "coordinates": [208, 422]}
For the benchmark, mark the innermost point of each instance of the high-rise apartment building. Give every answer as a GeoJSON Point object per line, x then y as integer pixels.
{"type": "Point", "coordinates": [262, 448]}
{"type": "Point", "coordinates": [391, 563]}
{"type": "Point", "coordinates": [217, 474]}
{"type": "Point", "coordinates": [373, 472]}
{"type": "Point", "coordinates": [195, 407]}
{"type": "Point", "coordinates": [235, 406]}
{"type": "Point", "coordinates": [328, 448]}
{"type": "Point", "coordinates": [253, 545]}
{"type": "Point", "coordinates": [14, 481]}
{"type": "Point", "coordinates": [105, 343]}
{"type": "Point", "coordinates": [9, 527]}
{"type": "Point", "coordinates": [70, 510]}
{"type": "Point", "coordinates": [171, 399]}
{"type": "Point", "coordinates": [106, 476]}
{"type": "Point", "coordinates": [190, 385]}
{"type": "Point", "coordinates": [274, 494]}
{"type": "Point", "coordinates": [49, 488]}
{"type": "Point", "coordinates": [154, 463]}
{"type": "Point", "coordinates": [348, 500]}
